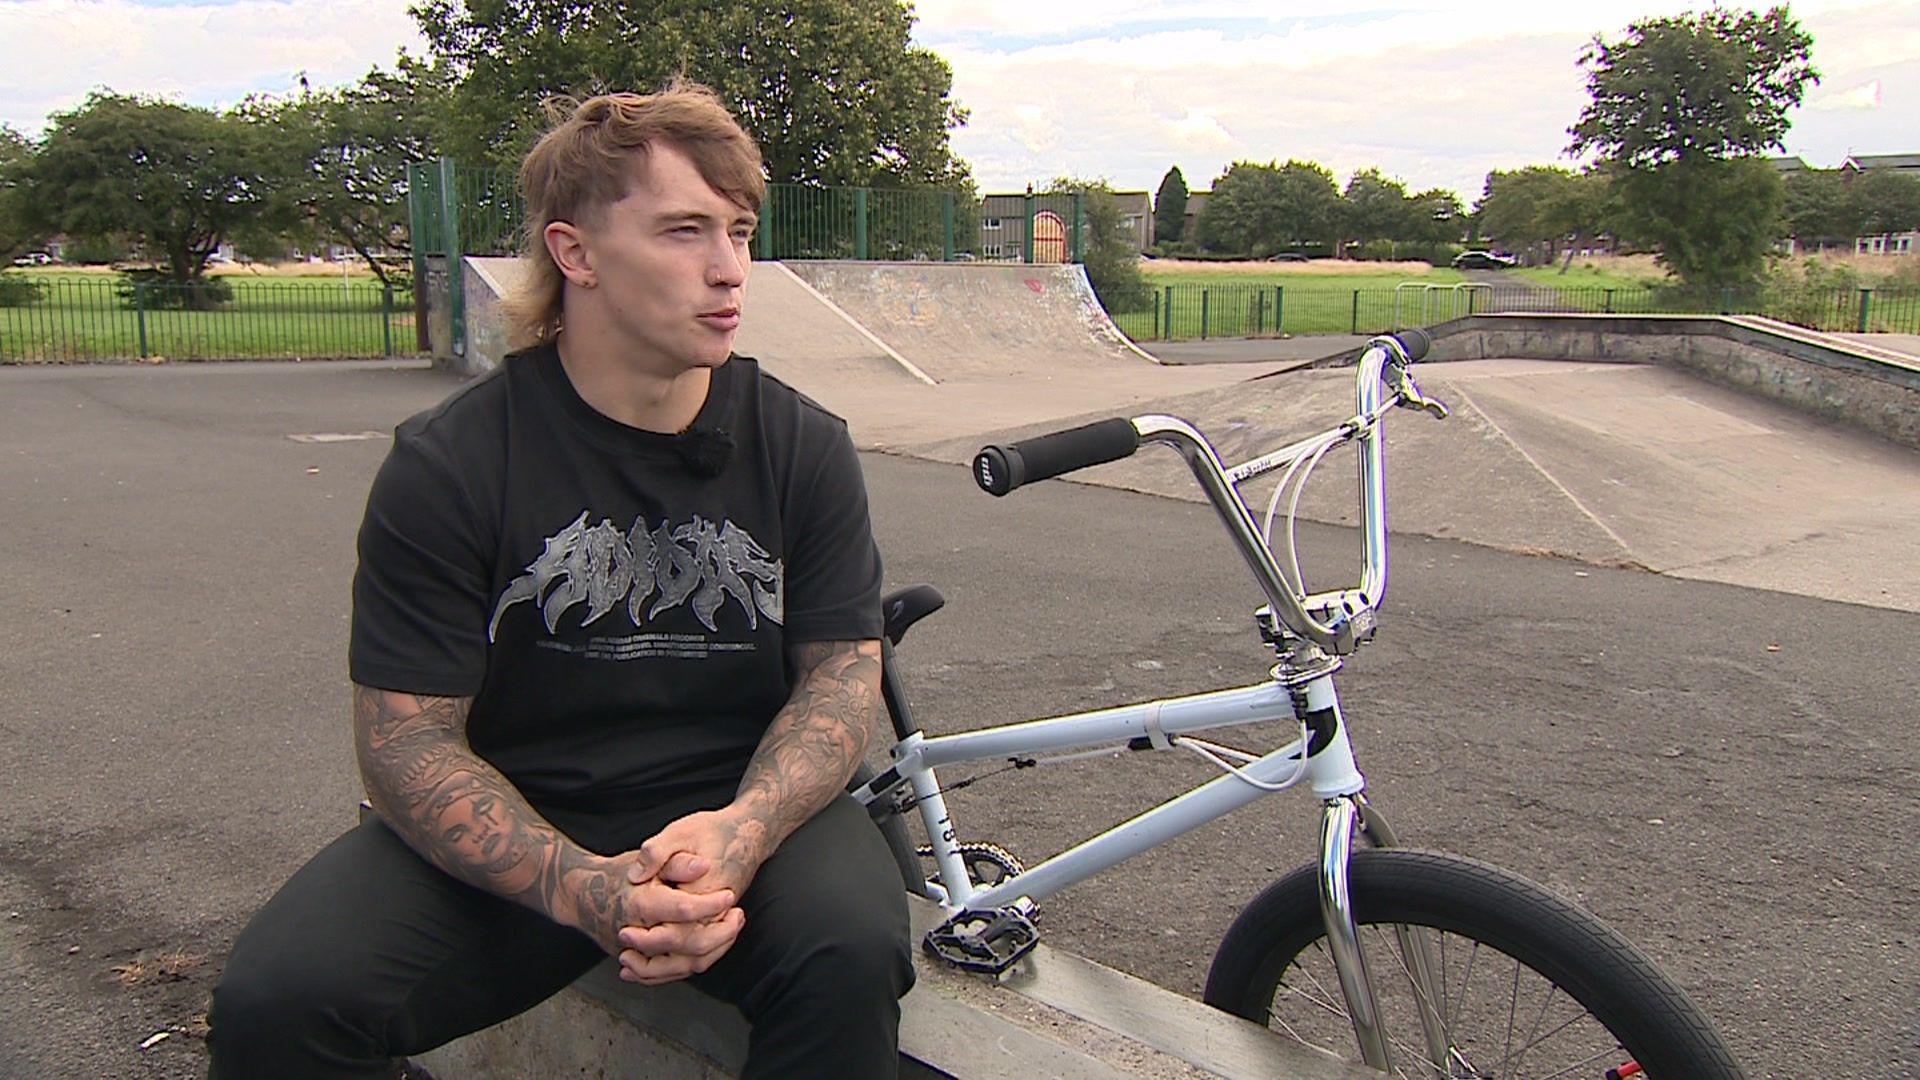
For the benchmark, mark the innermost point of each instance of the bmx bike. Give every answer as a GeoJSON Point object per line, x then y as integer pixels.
{"type": "Point", "coordinates": [1412, 962]}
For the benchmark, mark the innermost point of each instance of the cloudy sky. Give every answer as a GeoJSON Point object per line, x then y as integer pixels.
{"type": "Point", "coordinates": [1432, 91]}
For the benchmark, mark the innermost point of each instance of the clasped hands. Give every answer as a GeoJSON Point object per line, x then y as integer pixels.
{"type": "Point", "coordinates": [680, 902]}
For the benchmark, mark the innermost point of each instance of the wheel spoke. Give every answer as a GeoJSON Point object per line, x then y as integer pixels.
{"type": "Point", "coordinates": [1576, 1067]}
{"type": "Point", "coordinates": [1435, 1020]}
{"type": "Point", "coordinates": [1513, 1006]}
{"type": "Point", "coordinates": [1309, 1007]}
{"type": "Point", "coordinates": [1534, 1028]}
{"type": "Point", "coordinates": [1422, 1000]}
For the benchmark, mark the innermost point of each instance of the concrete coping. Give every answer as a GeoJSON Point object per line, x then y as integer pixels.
{"type": "Point", "coordinates": [1827, 376]}
{"type": "Point", "coordinates": [1812, 345]}
{"type": "Point", "coordinates": [1054, 1014]}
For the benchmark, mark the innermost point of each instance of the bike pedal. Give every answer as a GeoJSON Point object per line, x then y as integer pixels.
{"type": "Point", "coordinates": [987, 941]}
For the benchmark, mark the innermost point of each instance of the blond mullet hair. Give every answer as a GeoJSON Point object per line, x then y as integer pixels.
{"type": "Point", "coordinates": [586, 163]}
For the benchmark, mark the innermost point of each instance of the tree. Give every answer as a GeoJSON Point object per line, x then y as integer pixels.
{"type": "Point", "coordinates": [181, 179]}
{"type": "Point", "coordinates": [1715, 222]}
{"type": "Point", "coordinates": [1680, 109]}
{"type": "Point", "coordinates": [1437, 218]}
{"type": "Point", "coordinates": [1170, 208]}
{"type": "Point", "coordinates": [1545, 208]}
{"type": "Point", "coordinates": [1879, 203]}
{"type": "Point", "coordinates": [1533, 207]}
{"type": "Point", "coordinates": [834, 91]}
{"type": "Point", "coordinates": [1818, 210]}
{"type": "Point", "coordinates": [1110, 257]}
{"type": "Point", "coordinates": [1259, 209]}
{"type": "Point", "coordinates": [346, 152]}
{"type": "Point", "coordinates": [16, 234]}
{"type": "Point", "coordinates": [1377, 208]}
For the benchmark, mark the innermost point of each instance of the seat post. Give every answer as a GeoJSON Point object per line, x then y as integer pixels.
{"type": "Point", "coordinates": [894, 693]}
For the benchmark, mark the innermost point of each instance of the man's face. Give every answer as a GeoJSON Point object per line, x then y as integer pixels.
{"type": "Point", "coordinates": [670, 264]}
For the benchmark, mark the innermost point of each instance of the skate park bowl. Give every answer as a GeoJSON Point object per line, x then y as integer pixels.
{"type": "Point", "coordinates": [1719, 448]}
{"type": "Point", "coordinates": [1728, 448]}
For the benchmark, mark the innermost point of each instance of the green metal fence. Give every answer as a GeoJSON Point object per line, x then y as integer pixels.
{"type": "Point", "coordinates": [461, 210]}
{"type": "Point", "coordinates": [1188, 312]}
{"type": "Point", "coordinates": [802, 222]}
{"type": "Point", "coordinates": [97, 317]}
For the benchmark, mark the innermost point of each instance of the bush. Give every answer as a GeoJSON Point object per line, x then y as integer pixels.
{"type": "Point", "coordinates": [1813, 293]}
{"type": "Point", "coordinates": [158, 292]}
{"type": "Point", "coordinates": [17, 291]}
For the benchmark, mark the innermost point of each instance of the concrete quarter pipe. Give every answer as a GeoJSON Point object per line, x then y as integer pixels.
{"type": "Point", "coordinates": [973, 321]}
{"type": "Point", "coordinates": [886, 323]}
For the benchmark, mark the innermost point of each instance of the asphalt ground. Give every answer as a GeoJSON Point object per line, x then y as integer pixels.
{"type": "Point", "coordinates": [1727, 775]}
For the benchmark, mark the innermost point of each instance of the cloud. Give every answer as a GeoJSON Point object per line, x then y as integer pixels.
{"type": "Point", "coordinates": [1199, 131]}
{"type": "Point", "coordinates": [53, 52]}
{"type": "Point", "coordinates": [1864, 96]}
{"type": "Point", "coordinates": [1436, 92]}
{"type": "Point", "coordinates": [1130, 107]}
{"type": "Point", "coordinates": [1430, 92]}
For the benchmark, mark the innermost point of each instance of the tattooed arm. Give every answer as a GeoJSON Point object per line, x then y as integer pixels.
{"type": "Point", "coordinates": [459, 813]}
{"type": "Point", "coordinates": [803, 762]}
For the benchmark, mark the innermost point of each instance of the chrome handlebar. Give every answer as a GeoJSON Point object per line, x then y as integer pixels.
{"type": "Point", "coordinates": [1338, 621]}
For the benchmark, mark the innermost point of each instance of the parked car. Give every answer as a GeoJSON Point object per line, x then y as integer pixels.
{"type": "Point", "coordinates": [1483, 260]}
{"type": "Point", "coordinates": [1287, 256]}
{"type": "Point", "coordinates": [34, 258]}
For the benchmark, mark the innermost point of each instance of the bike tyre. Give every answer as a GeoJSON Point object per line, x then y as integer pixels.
{"type": "Point", "coordinates": [1617, 984]}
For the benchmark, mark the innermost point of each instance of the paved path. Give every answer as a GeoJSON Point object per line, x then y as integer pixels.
{"type": "Point", "coordinates": [1727, 774]}
{"type": "Point", "coordinates": [1908, 344]}
{"type": "Point", "coordinates": [1253, 350]}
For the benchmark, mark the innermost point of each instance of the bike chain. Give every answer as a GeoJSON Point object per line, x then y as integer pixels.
{"type": "Point", "coordinates": [1007, 861]}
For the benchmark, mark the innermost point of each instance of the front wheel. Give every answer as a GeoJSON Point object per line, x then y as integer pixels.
{"type": "Point", "coordinates": [1522, 983]}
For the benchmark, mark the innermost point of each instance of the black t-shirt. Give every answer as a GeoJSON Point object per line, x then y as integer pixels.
{"type": "Point", "coordinates": [619, 619]}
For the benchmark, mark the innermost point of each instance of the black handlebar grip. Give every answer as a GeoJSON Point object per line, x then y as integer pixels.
{"type": "Point", "coordinates": [1000, 469]}
{"type": "Point", "coordinates": [1415, 342]}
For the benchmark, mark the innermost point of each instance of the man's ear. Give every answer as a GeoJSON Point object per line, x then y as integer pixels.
{"type": "Point", "coordinates": [568, 247]}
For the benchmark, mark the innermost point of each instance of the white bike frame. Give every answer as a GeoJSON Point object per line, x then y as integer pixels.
{"type": "Point", "coordinates": [1319, 628]}
{"type": "Point", "coordinates": [1330, 773]}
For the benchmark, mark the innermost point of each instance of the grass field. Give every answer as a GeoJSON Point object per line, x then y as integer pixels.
{"type": "Point", "coordinates": [83, 315]}
{"type": "Point", "coordinates": [1204, 299]}
{"type": "Point", "coordinates": [1337, 275]}
{"type": "Point", "coordinates": [1332, 296]}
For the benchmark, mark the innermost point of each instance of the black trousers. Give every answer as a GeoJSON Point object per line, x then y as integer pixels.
{"type": "Point", "coordinates": [370, 953]}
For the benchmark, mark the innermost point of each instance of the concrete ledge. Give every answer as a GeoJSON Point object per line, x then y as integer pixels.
{"type": "Point", "coordinates": [1055, 1015]}
{"type": "Point", "coordinates": [1875, 390]}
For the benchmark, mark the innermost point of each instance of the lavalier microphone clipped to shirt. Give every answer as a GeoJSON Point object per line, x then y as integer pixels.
{"type": "Point", "coordinates": [704, 451]}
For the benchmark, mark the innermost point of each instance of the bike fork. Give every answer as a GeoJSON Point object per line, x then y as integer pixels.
{"type": "Point", "coordinates": [1343, 938]}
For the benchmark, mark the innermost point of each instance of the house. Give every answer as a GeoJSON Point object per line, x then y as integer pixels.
{"type": "Point", "coordinates": [1136, 213]}
{"type": "Point", "coordinates": [1196, 205]}
{"type": "Point", "coordinates": [1905, 164]}
{"type": "Point", "coordinates": [1003, 225]}
{"type": "Point", "coordinates": [1003, 228]}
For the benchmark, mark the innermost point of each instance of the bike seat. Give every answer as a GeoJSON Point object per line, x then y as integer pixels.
{"type": "Point", "coordinates": [907, 606]}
